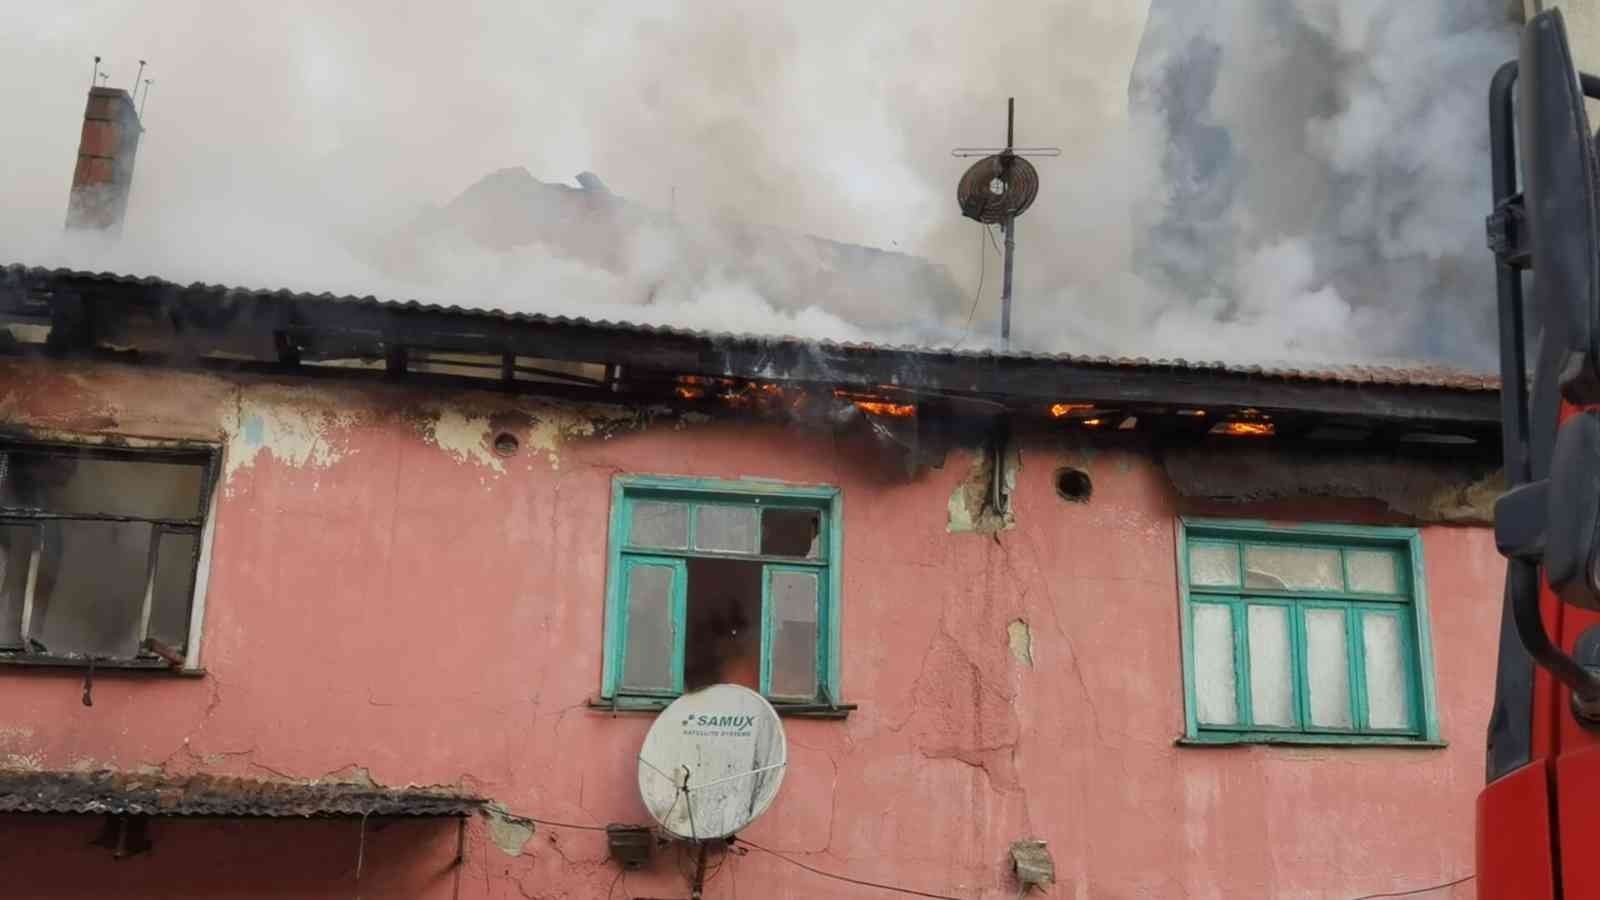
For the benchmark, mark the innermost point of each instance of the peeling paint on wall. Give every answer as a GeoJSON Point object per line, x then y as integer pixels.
{"type": "Point", "coordinates": [297, 428]}
{"type": "Point", "coordinates": [1438, 489]}
{"type": "Point", "coordinates": [970, 510]}
{"type": "Point", "coordinates": [554, 424]}
{"type": "Point", "coordinates": [509, 831]}
{"type": "Point", "coordinates": [464, 437]}
{"type": "Point", "coordinates": [1020, 639]}
{"type": "Point", "coordinates": [538, 426]}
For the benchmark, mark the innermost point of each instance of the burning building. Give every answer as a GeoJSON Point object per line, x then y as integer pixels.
{"type": "Point", "coordinates": [280, 558]}
{"type": "Point", "coordinates": [329, 595]}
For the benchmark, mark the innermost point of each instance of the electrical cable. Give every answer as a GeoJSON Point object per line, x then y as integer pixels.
{"type": "Point", "coordinates": [564, 824]}
{"type": "Point", "coordinates": [983, 265]}
{"type": "Point", "coordinates": [845, 878]}
{"type": "Point", "coordinates": [1438, 887]}
{"type": "Point", "coordinates": [613, 887]}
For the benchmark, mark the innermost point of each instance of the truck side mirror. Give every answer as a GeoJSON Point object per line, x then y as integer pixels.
{"type": "Point", "coordinates": [1572, 524]}
{"type": "Point", "coordinates": [1561, 208]}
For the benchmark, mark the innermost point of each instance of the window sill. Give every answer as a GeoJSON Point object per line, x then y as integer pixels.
{"type": "Point", "coordinates": [1247, 738]}
{"type": "Point", "coordinates": [786, 710]}
{"type": "Point", "coordinates": [46, 660]}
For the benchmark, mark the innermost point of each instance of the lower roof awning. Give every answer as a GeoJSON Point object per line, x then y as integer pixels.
{"type": "Point", "coordinates": [108, 792]}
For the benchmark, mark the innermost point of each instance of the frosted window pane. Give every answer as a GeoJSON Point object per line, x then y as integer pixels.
{"type": "Point", "coordinates": [1214, 564]}
{"type": "Point", "coordinates": [1387, 704]}
{"type": "Point", "coordinates": [1215, 700]}
{"type": "Point", "coordinates": [1372, 571]}
{"type": "Point", "coordinates": [1327, 668]}
{"type": "Point", "coordinates": [1292, 568]}
{"type": "Point", "coordinates": [659, 525]}
{"type": "Point", "coordinates": [794, 634]}
{"type": "Point", "coordinates": [1271, 679]}
{"type": "Point", "coordinates": [648, 658]}
{"type": "Point", "coordinates": [730, 529]}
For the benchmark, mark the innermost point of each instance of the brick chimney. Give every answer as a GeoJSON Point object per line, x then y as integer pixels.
{"type": "Point", "coordinates": [104, 173]}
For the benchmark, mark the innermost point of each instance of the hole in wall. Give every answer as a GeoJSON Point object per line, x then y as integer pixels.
{"type": "Point", "coordinates": [1073, 485]}
{"type": "Point", "coordinates": [505, 443]}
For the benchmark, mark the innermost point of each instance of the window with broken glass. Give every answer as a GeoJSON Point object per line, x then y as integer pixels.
{"type": "Point", "coordinates": [99, 548]}
{"type": "Point", "coordinates": [1305, 634]}
{"type": "Point", "coordinates": [715, 582]}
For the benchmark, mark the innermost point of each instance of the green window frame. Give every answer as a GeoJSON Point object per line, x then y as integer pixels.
{"type": "Point", "coordinates": [629, 559]}
{"type": "Point", "coordinates": [1267, 604]}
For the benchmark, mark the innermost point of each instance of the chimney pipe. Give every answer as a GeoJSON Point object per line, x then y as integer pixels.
{"type": "Point", "coordinates": [104, 173]}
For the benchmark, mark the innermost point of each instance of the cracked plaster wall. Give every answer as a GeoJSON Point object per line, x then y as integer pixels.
{"type": "Point", "coordinates": [392, 601]}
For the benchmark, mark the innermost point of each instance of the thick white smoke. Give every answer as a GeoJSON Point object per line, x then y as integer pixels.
{"type": "Point", "coordinates": [301, 144]}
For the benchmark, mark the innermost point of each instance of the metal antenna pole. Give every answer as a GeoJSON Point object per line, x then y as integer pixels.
{"type": "Point", "coordinates": [94, 78]}
{"type": "Point", "coordinates": [1010, 229]}
{"type": "Point", "coordinates": [138, 76]}
{"type": "Point", "coordinates": [142, 100]}
{"type": "Point", "coordinates": [997, 189]}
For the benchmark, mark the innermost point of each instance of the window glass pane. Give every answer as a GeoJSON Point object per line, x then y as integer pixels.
{"type": "Point", "coordinates": [1214, 684]}
{"type": "Point", "coordinates": [66, 483]}
{"type": "Point", "coordinates": [90, 587]}
{"type": "Point", "coordinates": [729, 529]}
{"type": "Point", "coordinates": [650, 638]}
{"type": "Point", "coordinates": [794, 634]}
{"type": "Point", "coordinates": [1271, 676]}
{"type": "Point", "coordinates": [1372, 571]}
{"type": "Point", "coordinates": [1388, 704]}
{"type": "Point", "coordinates": [174, 589]}
{"type": "Point", "coordinates": [654, 524]}
{"type": "Point", "coordinates": [1214, 564]}
{"type": "Point", "coordinates": [1327, 668]}
{"type": "Point", "coordinates": [1292, 568]}
{"type": "Point", "coordinates": [791, 532]}
{"type": "Point", "coordinates": [16, 550]}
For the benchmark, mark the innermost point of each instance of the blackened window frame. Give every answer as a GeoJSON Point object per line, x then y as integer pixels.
{"type": "Point", "coordinates": [761, 494]}
{"type": "Point", "coordinates": [206, 456]}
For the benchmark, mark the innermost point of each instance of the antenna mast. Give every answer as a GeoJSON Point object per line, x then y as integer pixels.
{"type": "Point", "coordinates": [997, 189]}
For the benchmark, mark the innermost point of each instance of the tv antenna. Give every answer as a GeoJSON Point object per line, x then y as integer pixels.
{"type": "Point", "coordinates": [995, 190]}
{"type": "Point", "coordinates": [138, 76]}
{"type": "Point", "coordinates": [94, 79]}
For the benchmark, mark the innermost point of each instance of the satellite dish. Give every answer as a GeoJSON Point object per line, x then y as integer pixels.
{"type": "Point", "coordinates": [712, 762]}
{"type": "Point", "coordinates": [997, 187]}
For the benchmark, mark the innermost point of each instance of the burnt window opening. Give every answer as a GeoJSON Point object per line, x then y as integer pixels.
{"type": "Point", "coordinates": [99, 550]}
{"type": "Point", "coordinates": [711, 588]}
{"type": "Point", "coordinates": [1074, 485]}
{"type": "Point", "coordinates": [722, 643]}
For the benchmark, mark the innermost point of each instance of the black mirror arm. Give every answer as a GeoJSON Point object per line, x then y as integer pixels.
{"type": "Point", "coordinates": [1522, 588]}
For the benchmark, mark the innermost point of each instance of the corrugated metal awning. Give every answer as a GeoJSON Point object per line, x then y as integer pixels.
{"type": "Point", "coordinates": [123, 793]}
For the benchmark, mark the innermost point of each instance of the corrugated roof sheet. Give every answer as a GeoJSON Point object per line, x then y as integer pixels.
{"type": "Point", "coordinates": [124, 793]}
{"type": "Point", "coordinates": [1399, 375]}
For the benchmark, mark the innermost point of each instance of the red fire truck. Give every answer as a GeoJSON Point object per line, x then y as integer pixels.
{"type": "Point", "coordinates": [1541, 806]}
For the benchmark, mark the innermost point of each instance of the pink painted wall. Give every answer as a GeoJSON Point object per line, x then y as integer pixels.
{"type": "Point", "coordinates": [382, 598]}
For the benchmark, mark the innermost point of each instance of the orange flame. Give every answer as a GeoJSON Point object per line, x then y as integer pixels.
{"type": "Point", "coordinates": [875, 405]}
{"type": "Point", "coordinates": [1066, 409]}
{"type": "Point", "coordinates": [1191, 412]}
{"type": "Point", "coordinates": [1094, 423]}
{"type": "Point", "coordinates": [880, 408]}
{"type": "Point", "coordinates": [1245, 429]}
